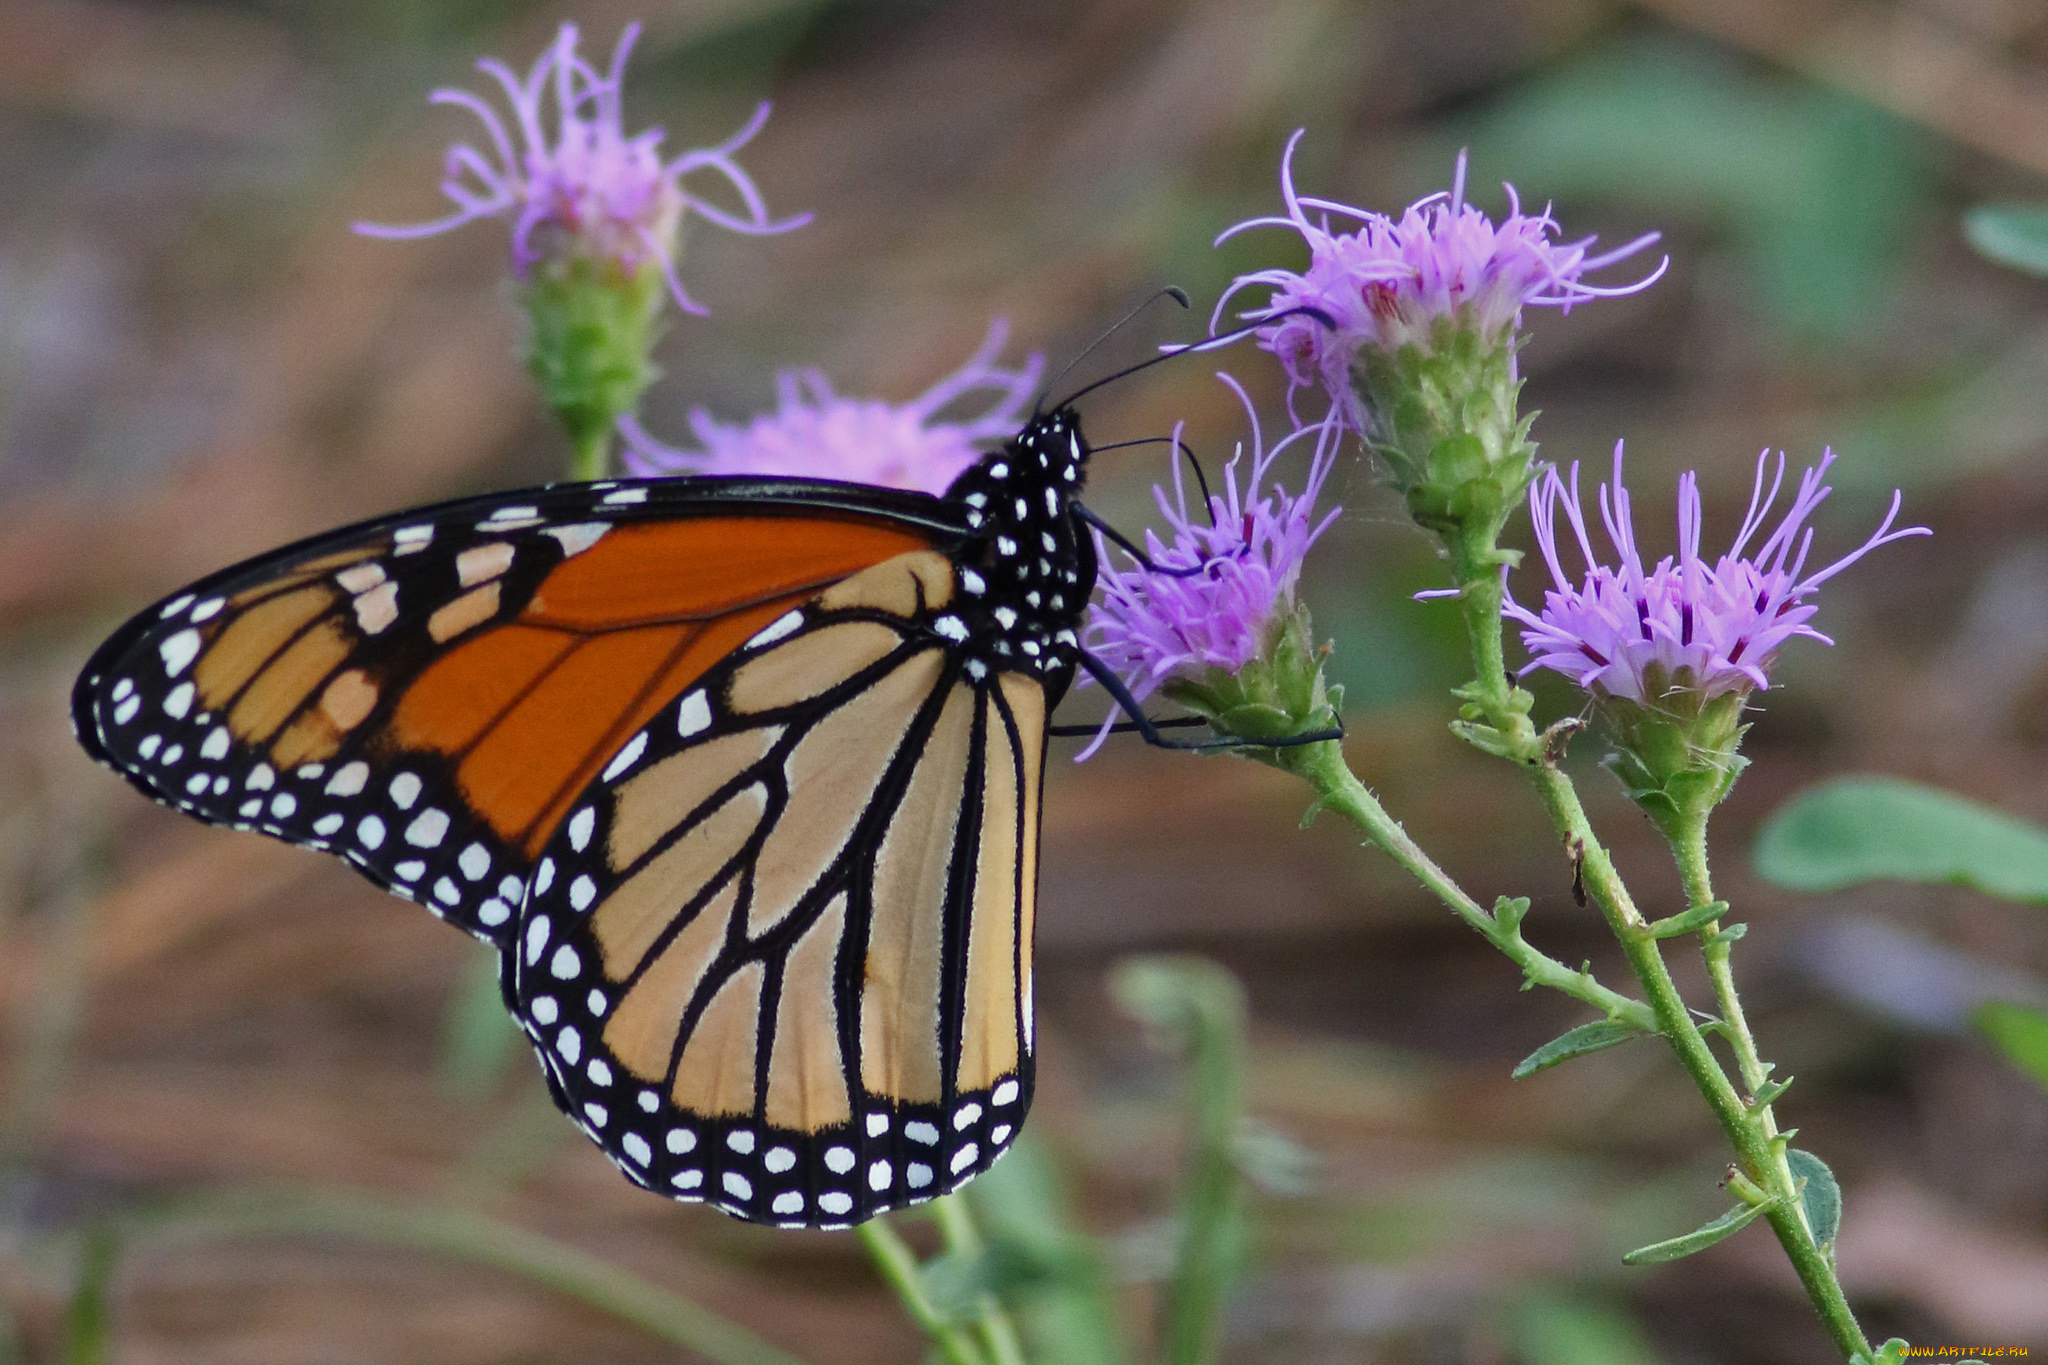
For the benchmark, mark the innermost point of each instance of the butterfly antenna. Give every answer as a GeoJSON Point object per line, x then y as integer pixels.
{"type": "Point", "coordinates": [1186, 452]}
{"type": "Point", "coordinates": [1195, 348]}
{"type": "Point", "coordinates": [1171, 291]}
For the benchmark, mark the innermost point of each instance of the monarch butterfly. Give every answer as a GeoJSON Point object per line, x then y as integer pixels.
{"type": "Point", "coordinates": [740, 776]}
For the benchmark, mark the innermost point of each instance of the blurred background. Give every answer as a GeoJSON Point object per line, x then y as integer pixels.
{"type": "Point", "coordinates": [198, 360]}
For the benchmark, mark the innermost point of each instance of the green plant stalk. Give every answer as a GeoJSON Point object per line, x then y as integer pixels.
{"type": "Point", "coordinates": [1322, 766]}
{"type": "Point", "coordinates": [963, 1238]}
{"type": "Point", "coordinates": [447, 1231]}
{"type": "Point", "coordinates": [1691, 851]}
{"type": "Point", "coordinates": [1212, 1192]}
{"type": "Point", "coordinates": [1504, 729]}
{"type": "Point", "coordinates": [898, 1265]}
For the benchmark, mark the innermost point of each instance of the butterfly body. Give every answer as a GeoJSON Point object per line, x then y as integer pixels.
{"type": "Point", "coordinates": [740, 777]}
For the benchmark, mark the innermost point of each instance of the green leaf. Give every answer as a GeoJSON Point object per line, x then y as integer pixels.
{"type": "Point", "coordinates": [1697, 917]}
{"type": "Point", "coordinates": [2010, 234]}
{"type": "Point", "coordinates": [1602, 1033]}
{"type": "Point", "coordinates": [1699, 1239]}
{"type": "Point", "coordinates": [1555, 1331]}
{"type": "Point", "coordinates": [1862, 829]}
{"type": "Point", "coordinates": [2020, 1033]}
{"type": "Point", "coordinates": [1510, 911]}
{"type": "Point", "coordinates": [1821, 1199]}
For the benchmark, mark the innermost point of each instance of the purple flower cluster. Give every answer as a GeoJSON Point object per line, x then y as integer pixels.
{"type": "Point", "coordinates": [818, 434]}
{"type": "Point", "coordinates": [1388, 284]}
{"type": "Point", "coordinates": [584, 187]}
{"type": "Point", "coordinates": [1248, 544]}
{"type": "Point", "coordinates": [1687, 626]}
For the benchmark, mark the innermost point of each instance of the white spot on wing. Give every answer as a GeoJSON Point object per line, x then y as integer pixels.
{"type": "Point", "coordinates": [475, 861]}
{"type": "Point", "coordinates": [694, 714]}
{"type": "Point", "coordinates": [405, 789]}
{"type": "Point", "coordinates": [776, 629]}
{"type": "Point", "coordinates": [1006, 1093]}
{"type": "Point", "coordinates": [580, 537]}
{"type": "Point", "coordinates": [625, 495]}
{"type": "Point", "coordinates": [428, 828]}
{"type": "Point", "coordinates": [378, 608]}
{"type": "Point", "coordinates": [580, 826]}
{"type": "Point", "coordinates": [627, 756]}
{"type": "Point", "coordinates": [636, 1147]}
{"type": "Point", "coordinates": [351, 779]}
{"type": "Point", "coordinates": [216, 746]}
{"type": "Point", "coordinates": [178, 703]}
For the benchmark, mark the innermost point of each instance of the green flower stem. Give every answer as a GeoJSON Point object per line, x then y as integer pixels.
{"type": "Point", "coordinates": [1322, 766]}
{"type": "Point", "coordinates": [1497, 720]}
{"type": "Point", "coordinates": [590, 458]}
{"type": "Point", "coordinates": [1756, 1073]}
{"type": "Point", "coordinates": [898, 1264]}
{"type": "Point", "coordinates": [1201, 1008]}
{"type": "Point", "coordinates": [998, 1334]}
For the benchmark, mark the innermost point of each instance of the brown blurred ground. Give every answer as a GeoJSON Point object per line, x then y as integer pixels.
{"type": "Point", "coordinates": [198, 360]}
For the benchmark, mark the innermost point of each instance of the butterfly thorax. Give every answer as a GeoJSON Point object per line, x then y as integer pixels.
{"type": "Point", "coordinates": [1027, 566]}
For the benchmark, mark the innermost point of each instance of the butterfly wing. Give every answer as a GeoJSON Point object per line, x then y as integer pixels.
{"type": "Point", "coordinates": [778, 953]}
{"type": "Point", "coordinates": [425, 694]}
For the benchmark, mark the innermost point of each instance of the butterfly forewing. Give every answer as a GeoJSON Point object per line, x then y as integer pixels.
{"type": "Point", "coordinates": [423, 695]}
{"type": "Point", "coordinates": [777, 956]}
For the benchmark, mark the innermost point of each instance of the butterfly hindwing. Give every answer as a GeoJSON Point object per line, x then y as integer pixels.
{"type": "Point", "coordinates": [421, 695]}
{"type": "Point", "coordinates": [777, 955]}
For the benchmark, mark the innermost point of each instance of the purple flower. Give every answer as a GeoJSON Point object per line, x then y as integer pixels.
{"type": "Point", "coordinates": [1684, 628]}
{"type": "Point", "coordinates": [1158, 629]}
{"type": "Point", "coordinates": [817, 434]}
{"type": "Point", "coordinates": [584, 188]}
{"type": "Point", "coordinates": [1391, 283]}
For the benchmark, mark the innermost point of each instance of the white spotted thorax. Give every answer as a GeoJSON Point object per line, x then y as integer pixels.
{"type": "Point", "coordinates": [1028, 566]}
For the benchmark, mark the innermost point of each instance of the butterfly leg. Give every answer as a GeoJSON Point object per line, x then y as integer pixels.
{"type": "Point", "coordinates": [1148, 729]}
{"type": "Point", "coordinates": [1118, 539]}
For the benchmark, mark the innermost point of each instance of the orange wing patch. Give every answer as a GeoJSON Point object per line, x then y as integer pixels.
{"type": "Point", "coordinates": [531, 709]}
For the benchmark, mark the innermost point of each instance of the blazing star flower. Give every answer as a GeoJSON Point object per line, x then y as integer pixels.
{"type": "Point", "coordinates": [818, 434]}
{"type": "Point", "coordinates": [1685, 628]}
{"type": "Point", "coordinates": [1199, 637]}
{"type": "Point", "coordinates": [1394, 284]}
{"type": "Point", "coordinates": [585, 188]}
